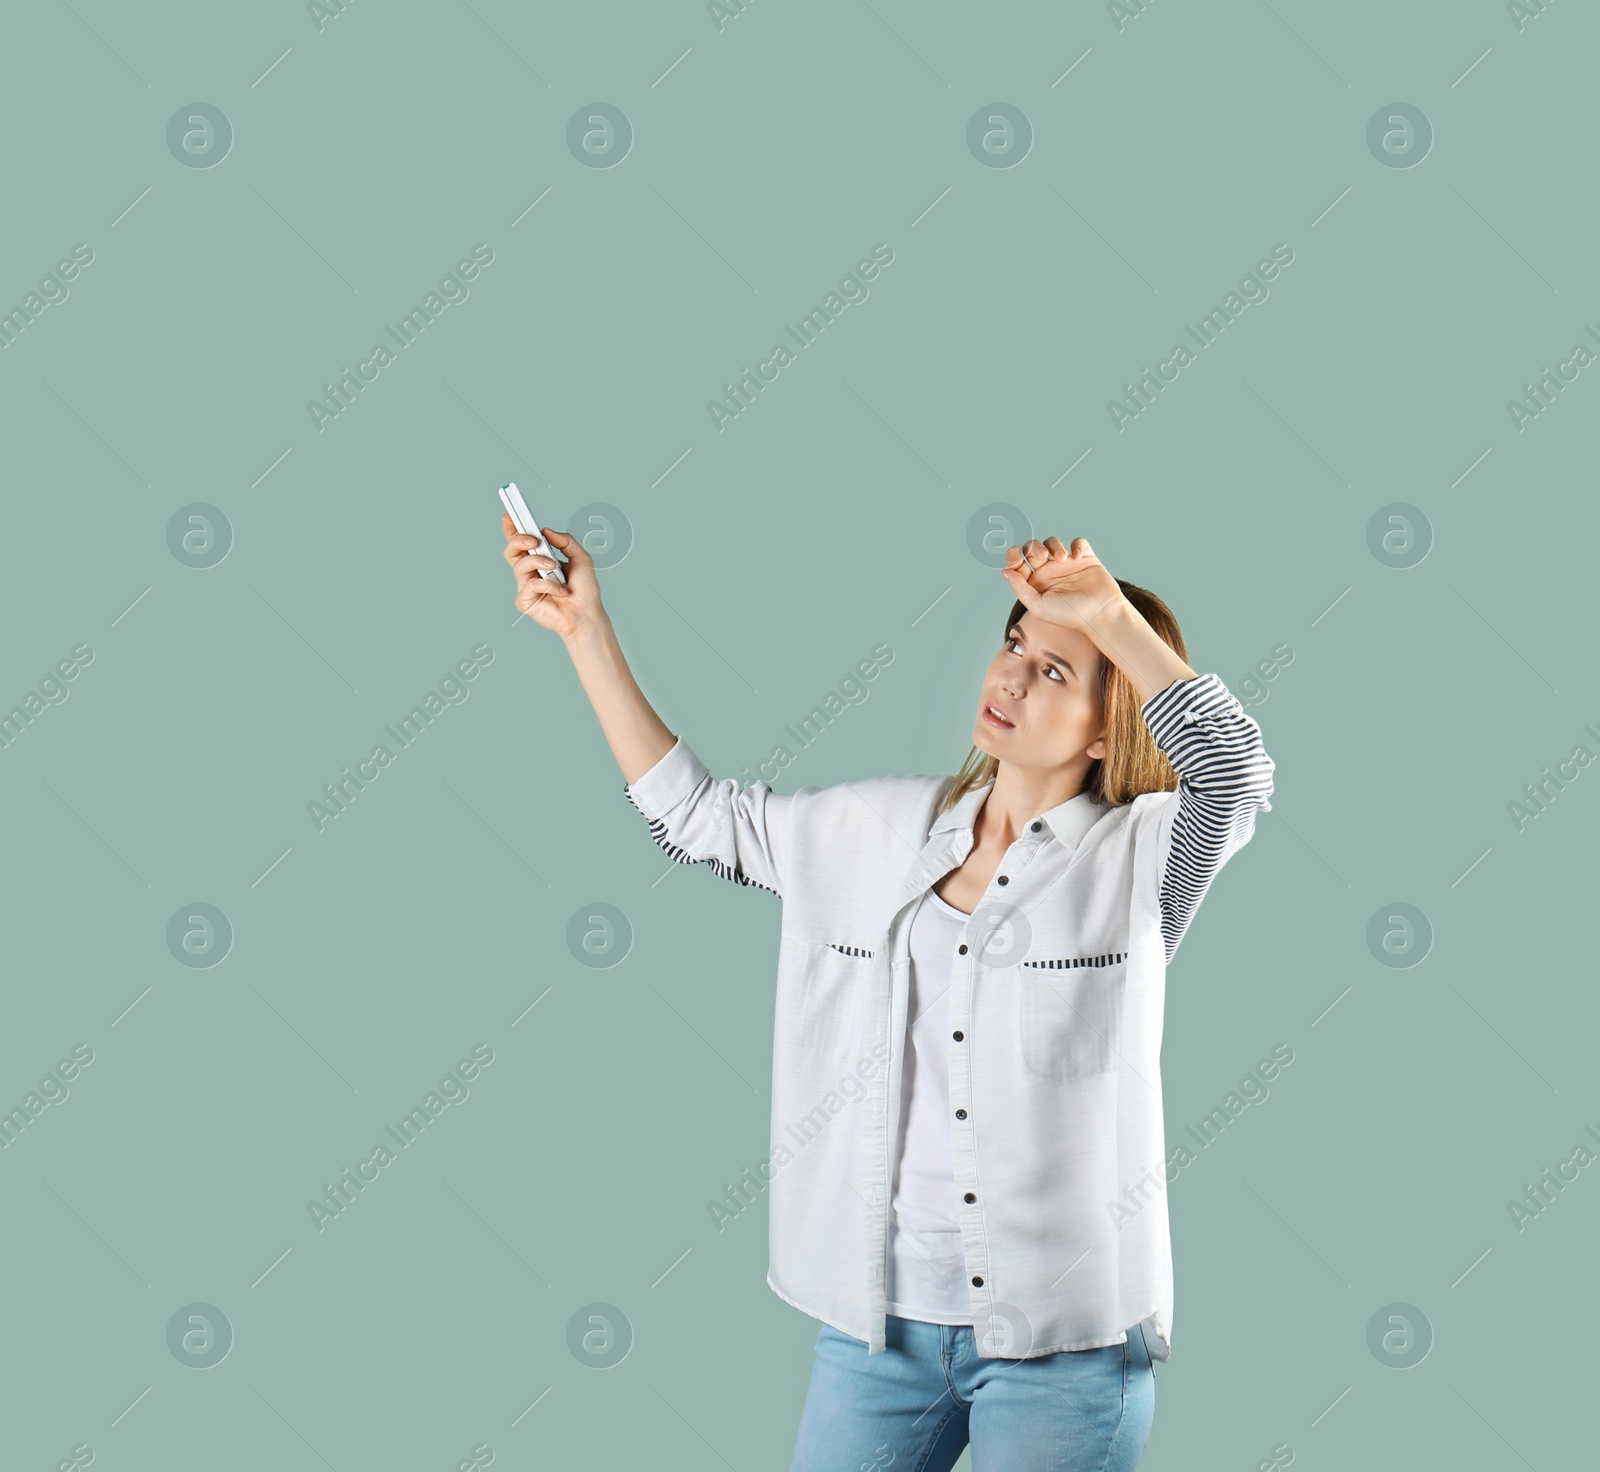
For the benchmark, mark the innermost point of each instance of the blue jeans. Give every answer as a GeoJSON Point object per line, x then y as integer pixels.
{"type": "Point", "coordinates": [915, 1406]}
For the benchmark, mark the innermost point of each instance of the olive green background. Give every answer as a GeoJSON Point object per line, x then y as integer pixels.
{"type": "Point", "coordinates": [764, 561]}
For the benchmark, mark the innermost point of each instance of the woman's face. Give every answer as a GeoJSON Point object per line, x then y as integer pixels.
{"type": "Point", "coordinates": [1046, 681]}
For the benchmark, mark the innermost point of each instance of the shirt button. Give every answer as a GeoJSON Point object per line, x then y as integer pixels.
{"type": "Point", "coordinates": [1003, 880]}
{"type": "Point", "coordinates": [977, 1282]}
{"type": "Point", "coordinates": [1188, 718]}
{"type": "Point", "coordinates": [958, 1036]}
{"type": "Point", "coordinates": [961, 1114]}
{"type": "Point", "coordinates": [1036, 827]}
{"type": "Point", "coordinates": [969, 1197]}
{"type": "Point", "coordinates": [962, 951]}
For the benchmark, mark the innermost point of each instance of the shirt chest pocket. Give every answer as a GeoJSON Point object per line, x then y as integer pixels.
{"type": "Point", "coordinates": [1070, 1014]}
{"type": "Point", "coordinates": [839, 976]}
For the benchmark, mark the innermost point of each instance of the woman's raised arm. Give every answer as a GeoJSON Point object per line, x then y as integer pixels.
{"type": "Point", "coordinates": [742, 834]}
{"type": "Point", "coordinates": [638, 737]}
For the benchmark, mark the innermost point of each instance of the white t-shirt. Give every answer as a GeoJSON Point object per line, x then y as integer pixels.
{"type": "Point", "coordinates": [926, 1270]}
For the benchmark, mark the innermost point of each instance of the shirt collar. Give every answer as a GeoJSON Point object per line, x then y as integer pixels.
{"type": "Point", "coordinates": [1067, 821]}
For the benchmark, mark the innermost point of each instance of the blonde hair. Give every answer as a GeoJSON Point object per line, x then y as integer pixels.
{"type": "Point", "coordinates": [1133, 763]}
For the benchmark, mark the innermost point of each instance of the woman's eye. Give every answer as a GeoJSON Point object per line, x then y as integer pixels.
{"type": "Point", "coordinates": [1050, 667]}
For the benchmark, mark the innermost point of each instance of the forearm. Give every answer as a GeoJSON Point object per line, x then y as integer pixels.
{"type": "Point", "coordinates": [1123, 635]}
{"type": "Point", "coordinates": [638, 737]}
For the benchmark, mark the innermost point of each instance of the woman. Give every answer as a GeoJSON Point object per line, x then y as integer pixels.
{"type": "Point", "coordinates": [968, 1172]}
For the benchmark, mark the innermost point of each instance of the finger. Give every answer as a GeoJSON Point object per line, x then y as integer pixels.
{"type": "Point", "coordinates": [527, 571]}
{"type": "Point", "coordinates": [528, 595]}
{"type": "Point", "coordinates": [1081, 545]}
{"type": "Point", "coordinates": [528, 577]}
{"type": "Point", "coordinates": [1056, 550]}
{"type": "Point", "coordinates": [568, 546]}
{"type": "Point", "coordinates": [526, 607]}
{"type": "Point", "coordinates": [1020, 585]}
{"type": "Point", "coordinates": [517, 545]}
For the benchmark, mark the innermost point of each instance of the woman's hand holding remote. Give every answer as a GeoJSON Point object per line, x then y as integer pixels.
{"type": "Point", "coordinates": [638, 737]}
{"type": "Point", "coordinates": [562, 610]}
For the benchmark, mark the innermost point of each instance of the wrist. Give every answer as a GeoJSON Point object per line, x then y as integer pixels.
{"type": "Point", "coordinates": [1114, 618]}
{"type": "Point", "coordinates": [592, 632]}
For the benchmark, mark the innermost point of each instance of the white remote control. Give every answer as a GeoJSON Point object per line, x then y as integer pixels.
{"type": "Point", "coordinates": [522, 519]}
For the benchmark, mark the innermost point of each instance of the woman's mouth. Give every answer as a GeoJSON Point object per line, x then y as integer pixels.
{"type": "Point", "coordinates": [995, 717]}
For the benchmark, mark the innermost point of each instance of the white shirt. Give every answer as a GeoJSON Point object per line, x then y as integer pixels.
{"type": "Point", "coordinates": [926, 1273]}
{"type": "Point", "coordinates": [1057, 1139]}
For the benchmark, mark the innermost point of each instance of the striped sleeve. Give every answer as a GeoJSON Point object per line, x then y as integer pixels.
{"type": "Point", "coordinates": [695, 819]}
{"type": "Point", "coordinates": [1224, 778]}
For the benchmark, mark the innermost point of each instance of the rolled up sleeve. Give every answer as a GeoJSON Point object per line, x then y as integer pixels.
{"type": "Point", "coordinates": [1224, 779]}
{"type": "Point", "coordinates": [697, 819]}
